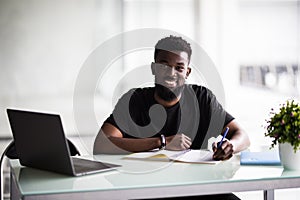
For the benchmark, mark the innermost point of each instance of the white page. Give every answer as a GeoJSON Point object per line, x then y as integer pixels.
{"type": "Point", "coordinates": [189, 156]}
{"type": "Point", "coordinates": [198, 156]}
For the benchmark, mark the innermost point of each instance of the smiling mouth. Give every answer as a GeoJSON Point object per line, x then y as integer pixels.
{"type": "Point", "coordinates": [170, 82]}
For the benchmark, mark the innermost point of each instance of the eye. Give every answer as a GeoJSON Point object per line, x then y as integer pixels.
{"type": "Point", "coordinates": [179, 68]}
{"type": "Point", "coordinates": [165, 66]}
{"type": "Point", "coordinates": [162, 66]}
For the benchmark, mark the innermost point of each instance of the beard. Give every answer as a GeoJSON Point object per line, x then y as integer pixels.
{"type": "Point", "coordinates": [167, 94]}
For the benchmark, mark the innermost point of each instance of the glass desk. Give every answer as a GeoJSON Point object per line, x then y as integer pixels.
{"type": "Point", "coordinates": [150, 179]}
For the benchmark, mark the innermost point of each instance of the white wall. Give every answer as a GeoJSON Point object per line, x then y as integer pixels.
{"type": "Point", "coordinates": [257, 33]}
{"type": "Point", "coordinates": [43, 45]}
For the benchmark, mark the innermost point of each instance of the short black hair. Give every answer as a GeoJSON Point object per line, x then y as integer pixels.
{"type": "Point", "coordinates": [173, 43]}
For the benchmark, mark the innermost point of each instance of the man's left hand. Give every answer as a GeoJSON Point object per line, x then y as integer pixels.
{"type": "Point", "coordinates": [224, 152]}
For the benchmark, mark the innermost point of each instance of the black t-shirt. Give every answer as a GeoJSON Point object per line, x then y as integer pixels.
{"type": "Point", "coordinates": [198, 115]}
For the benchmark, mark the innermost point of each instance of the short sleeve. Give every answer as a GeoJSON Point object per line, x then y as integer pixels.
{"type": "Point", "coordinates": [219, 117]}
{"type": "Point", "coordinates": [120, 115]}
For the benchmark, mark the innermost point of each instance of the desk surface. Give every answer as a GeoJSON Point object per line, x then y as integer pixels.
{"type": "Point", "coordinates": [137, 179]}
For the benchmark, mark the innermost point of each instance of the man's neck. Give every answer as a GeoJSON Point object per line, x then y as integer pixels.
{"type": "Point", "coordinates": [166, 103]}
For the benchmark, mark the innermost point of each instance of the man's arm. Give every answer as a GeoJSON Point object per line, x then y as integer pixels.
{"type": "Point", "coordinates": [110, 140]}
{"type": "Point", "coordinates": [238, 140]}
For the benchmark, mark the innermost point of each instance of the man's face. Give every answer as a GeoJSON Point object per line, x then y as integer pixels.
{"type": "Point", "coordinates": [170, 70]}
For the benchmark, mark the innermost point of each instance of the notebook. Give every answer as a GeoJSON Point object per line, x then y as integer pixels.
{"type": "Point", "coordinates": [41, 143]}
{"type": "Point", "coordinates": [186, 156]}
{"type": "Point", "coordinates": [260, 158]}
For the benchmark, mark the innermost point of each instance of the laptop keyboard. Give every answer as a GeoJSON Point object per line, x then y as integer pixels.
{"type": "Point", "coordinates": [82, 165]}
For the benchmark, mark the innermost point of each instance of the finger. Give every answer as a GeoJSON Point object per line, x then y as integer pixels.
{"type": "Point", "coordinates": [186, 138]}
{"type": "Point", "coordinates": [182, 146]}
{"type": "Point", "coordinates": [228, 157]}
{"type": "Point", "coordinates": [222, 156]}
{"type": "Point", "coordinates": [219, 152]}
{"type": "Point", "coordinates": [187, 144]}
{"type": "Point", "coordinates": [214, 147]}
{"type": "Point", "coordinates": [224, 152]}
{"type": "Point", "coordinates": [214, 144]}
{"type": "Point", "coordinates": [188, 141]}
{"type": "Point", "coordinates": [228, 151]}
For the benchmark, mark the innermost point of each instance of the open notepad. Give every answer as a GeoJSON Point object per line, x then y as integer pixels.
{"type": "Point", "coordinates": [187, 156]}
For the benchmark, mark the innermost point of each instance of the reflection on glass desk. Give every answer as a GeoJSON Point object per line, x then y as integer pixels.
{"type": "Point", "coordinates": [138, 179]}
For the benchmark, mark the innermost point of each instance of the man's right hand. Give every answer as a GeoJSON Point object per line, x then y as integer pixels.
{"type": "Point", "coordinates": [178, 142]}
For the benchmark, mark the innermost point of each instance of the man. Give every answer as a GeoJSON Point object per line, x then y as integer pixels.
{"type": "Point", "coordinates": [191, 113]}
{"type": "Point", "coordinates": [172, 115]}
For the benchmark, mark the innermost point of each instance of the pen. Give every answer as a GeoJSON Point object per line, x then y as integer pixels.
{"type": "Point", "coordinates": [224, 135]}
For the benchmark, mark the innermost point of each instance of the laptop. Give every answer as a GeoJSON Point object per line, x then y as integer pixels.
{"type": "Point", "coordinates": [41, 143]}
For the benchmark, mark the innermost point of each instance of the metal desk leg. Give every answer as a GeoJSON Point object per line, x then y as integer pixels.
{"type": "Point", "coordinates": [268, 194]}
{"type": "Point", "coordinates": [14, 190]}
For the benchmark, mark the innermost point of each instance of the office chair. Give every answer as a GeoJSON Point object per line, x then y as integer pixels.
{"type": "Point", "coordinates": [11, 153]}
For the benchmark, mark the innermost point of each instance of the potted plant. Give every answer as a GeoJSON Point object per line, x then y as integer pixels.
{"type": "Point", "coordinates": [284, 128]}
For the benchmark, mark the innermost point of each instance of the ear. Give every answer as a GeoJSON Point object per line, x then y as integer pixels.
{"type": "Point", "coordinates": [188, 71]}
{"type": "Point", "coordinates": [153, 68]}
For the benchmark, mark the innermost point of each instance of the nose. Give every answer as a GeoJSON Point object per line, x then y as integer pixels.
{"type": "Point", "coordinates": [171, 71]}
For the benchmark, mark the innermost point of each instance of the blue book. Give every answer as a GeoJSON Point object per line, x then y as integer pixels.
{"type": "Point", "coordinates": [260, 158]}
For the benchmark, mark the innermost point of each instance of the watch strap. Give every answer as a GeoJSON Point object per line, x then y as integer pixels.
{"type": "Point", "coordinates": [163, 142]}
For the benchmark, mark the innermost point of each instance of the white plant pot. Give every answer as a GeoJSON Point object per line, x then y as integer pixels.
{"type": "Point", "coordinates": [289, 159]}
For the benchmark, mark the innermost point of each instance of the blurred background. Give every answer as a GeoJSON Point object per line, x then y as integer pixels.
{"type": "Point", "coordinates": [254, 44]}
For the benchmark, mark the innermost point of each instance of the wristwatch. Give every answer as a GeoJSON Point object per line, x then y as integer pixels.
{"type": "Point", "coordinates": [163, 142]}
